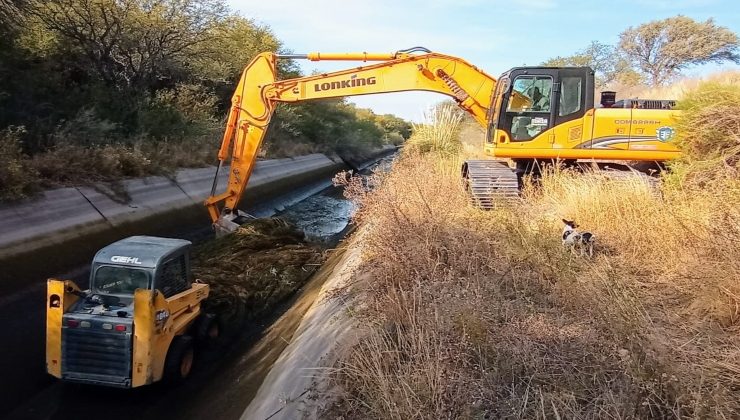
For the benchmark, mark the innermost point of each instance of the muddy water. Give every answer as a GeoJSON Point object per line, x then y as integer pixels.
{"type": "Point", "coordinates": [221, 386]}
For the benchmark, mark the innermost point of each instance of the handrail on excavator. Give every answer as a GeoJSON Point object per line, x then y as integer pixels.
{"type": "Point", "coordinates": [364, 56]}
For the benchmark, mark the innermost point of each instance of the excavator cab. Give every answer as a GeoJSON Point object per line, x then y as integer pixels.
{"type": "Point", "coordinates": [547, 114]}
{"type": "Point", "coordinates": [529, 101]}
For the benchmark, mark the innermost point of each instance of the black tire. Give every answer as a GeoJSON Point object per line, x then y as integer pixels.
{"type": "Point", "coordinates": [180, 358]}
{"type": "Point", "coordinates": [207, 330]}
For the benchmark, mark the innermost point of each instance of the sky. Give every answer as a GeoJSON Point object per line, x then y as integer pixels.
{"type": "Point", "coordinates": [493, 35]}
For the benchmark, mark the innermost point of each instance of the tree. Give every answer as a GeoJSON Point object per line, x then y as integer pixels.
{"type": "Point", "coordinates": [604, 59]}
{"type": "Point", "coordinates": [239, 41]}
{"type": "Point", "coordinates": [662, 49]}
{"type": "Point", "coordinates": [132, 43]}
{"type": "Point", "coordinates": [391, 124]}
{"type": "Point", "coordinates": [234, 43]}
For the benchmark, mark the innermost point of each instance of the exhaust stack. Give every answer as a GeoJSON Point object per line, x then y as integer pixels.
{"type": "Point", "coordinates": [608, 98]}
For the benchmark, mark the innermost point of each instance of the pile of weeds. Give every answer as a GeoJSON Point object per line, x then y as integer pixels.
{"type": "Point", "coordinates": [254, 268]}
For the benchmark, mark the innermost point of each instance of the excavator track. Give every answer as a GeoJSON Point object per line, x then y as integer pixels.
{"type": "Point", "coordinates": [490, 183]}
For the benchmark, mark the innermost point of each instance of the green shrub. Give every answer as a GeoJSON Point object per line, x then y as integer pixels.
{"type": "Point", "coordinates": [17, 178]}
{"type": "Point", "coordinates": [177, 113]}
{"type": "Point", "coordinates": [191, 152]}
{"type": "Point", "coordinates": [327, 126]}
{"type": "Point", "coordinates": [72, 164]}
{"type": "Point", "coordinates": [394, 138]}
{"type": "Point", "coordinates": [85, 129]}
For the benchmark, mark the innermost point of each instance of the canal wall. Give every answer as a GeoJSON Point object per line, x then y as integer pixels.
{"type": "Point", "coordinates": [297, 385]}
{"type": "Point", "coordinates": [63, 227]}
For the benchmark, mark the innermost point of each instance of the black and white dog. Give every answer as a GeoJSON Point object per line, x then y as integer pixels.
{"type": "Point", "coordinates": [580, 243]}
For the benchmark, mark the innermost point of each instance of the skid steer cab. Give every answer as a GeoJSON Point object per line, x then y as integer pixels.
{"type": "Point", "coordinates": [140, 320]}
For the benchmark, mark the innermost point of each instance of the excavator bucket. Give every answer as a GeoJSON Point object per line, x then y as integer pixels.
{"type": "Point", "coordinates": [228, 223]}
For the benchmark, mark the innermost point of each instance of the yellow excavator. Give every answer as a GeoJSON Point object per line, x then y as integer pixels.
{"type": "Point", "coordinates": [531, 114]}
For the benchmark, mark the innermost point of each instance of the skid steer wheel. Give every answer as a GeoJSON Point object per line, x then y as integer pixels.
{"type": "Point", "coordinates": [207, 330]}
{"type": "Point", "coordinates": [180, 357]}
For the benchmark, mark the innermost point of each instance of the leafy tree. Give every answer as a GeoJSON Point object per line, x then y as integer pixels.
{"type": "Point", "coordinates": [334, 125]}
{"type": "Point", "coordinates": [604, 59]}
{"type": "Point", "coordinates": [662, 49]}
{"type": "Point", "coordinates": [239, 41]}
{"type": "Point", "coordinates": [391, 124]}
{"type": "Point", "coordinates": [132, 43]}
{"type": "Point", "coordinates": [99, 89]}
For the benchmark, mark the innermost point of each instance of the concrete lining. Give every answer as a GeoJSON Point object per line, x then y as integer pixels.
{"type": "Point", "coordinates": [63, 211]}
{"type": "Point", "coordinates": [303, 366]}
{"type": "Point", "coordinates": [59, 215]}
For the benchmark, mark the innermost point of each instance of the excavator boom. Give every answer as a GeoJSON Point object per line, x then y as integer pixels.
{"type": "Point", "coordinates": [258, 92]}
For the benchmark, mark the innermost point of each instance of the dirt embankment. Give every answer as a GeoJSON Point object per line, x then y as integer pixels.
{"type": "Point", "coordinates": [483, 314]}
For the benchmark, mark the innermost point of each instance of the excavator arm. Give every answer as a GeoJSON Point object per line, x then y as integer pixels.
{"type": "Point", "coordinates": [258, 93]}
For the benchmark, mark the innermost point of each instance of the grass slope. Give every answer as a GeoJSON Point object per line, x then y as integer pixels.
{"type": "Point", "coordinates": [475, 314]}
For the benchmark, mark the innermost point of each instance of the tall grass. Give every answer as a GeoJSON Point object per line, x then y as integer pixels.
{"type": "Point", "coordinates": [710, 136]}
{"type": "Point", "coordinates": [474, 314]}
{"type": "Point", "coordinates": [439, 131]}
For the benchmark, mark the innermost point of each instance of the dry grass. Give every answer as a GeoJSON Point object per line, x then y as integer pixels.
{"type": "Point", "coordinates": [17, 178]}
{"type": "Point", "coordinates": [473, 314]}
{"type": "Point", "coordinates": [440, 130]}
{"type": "Point", "coordinates": [677, 90]}
{"type": "Point", "coordinates": [710, 136]}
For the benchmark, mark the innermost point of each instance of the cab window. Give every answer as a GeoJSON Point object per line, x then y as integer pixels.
{"type": "Point", "coordinates": [119, 280]}
{"type": "Point", "coordinates": [570, 95]}
{"type": "Point", "coordinates": [530, 94]}
{"type": "Point", "coordinates": [527, 127]}
{"type": "Point", "coordinates": [173, 277]}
